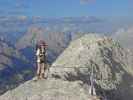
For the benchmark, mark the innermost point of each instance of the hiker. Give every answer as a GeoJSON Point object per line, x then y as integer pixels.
{"type": "Point", "coordinates": [41, 59]}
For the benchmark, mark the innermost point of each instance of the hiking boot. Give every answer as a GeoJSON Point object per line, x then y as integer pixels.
{"type": "Point", "coordinates": [35, 78]}
{"type": "Point", "coordinates": [43, 76]}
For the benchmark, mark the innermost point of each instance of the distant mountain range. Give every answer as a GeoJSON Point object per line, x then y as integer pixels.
{"type": "Point", "coordinates": [14, 27]}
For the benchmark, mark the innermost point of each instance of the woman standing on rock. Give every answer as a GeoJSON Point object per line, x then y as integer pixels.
{"type": "Point", "coordinates": [41, 59]}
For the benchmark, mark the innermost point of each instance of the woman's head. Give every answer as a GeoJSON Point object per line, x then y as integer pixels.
{"type": "Point", "coordinates": [42, 44]}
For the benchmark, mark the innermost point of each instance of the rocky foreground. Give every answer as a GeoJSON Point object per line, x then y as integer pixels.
{"type": "Point", "coordinates": [69, 76]}
{"type": "Point", "coordinates": [50, 89]}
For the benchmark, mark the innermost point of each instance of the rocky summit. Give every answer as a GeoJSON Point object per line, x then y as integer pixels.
{"type": "Point", "coordinates": [70, 76]}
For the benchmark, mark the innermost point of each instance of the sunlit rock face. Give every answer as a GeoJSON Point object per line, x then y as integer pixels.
{"type": "Point", "coordinates": [112, 64]}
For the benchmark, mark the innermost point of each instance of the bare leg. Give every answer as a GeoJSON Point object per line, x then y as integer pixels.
{"type": "Point", "coordinates": [43, 70]}
{"type": "Point", "coordinates": [38, 70]}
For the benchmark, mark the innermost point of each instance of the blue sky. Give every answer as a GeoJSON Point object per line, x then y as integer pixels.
{"type": "Point", "coordinates": [68, 8]}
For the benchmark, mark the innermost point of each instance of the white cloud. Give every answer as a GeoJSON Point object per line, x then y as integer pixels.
{"type": "Point", "coordinates": [86, 1]}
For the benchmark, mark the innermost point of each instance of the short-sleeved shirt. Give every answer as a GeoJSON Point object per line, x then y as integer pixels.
{"type": "Point", "coordinates": [41, 57]}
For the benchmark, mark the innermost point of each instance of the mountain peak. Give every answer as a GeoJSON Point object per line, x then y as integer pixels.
{"type": "Point", "coordinates": [90, 43]}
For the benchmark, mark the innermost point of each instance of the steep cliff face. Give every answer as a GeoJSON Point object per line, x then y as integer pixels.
{"type": "Point", "coordinates": [112, 64]}
{"type": "Point", "coordinates": [69, 75]}
{"type": "Point", "coordinates": [14, 67]}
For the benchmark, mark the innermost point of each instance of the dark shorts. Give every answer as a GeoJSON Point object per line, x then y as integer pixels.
{"type": "Point", "coordinates": [43, 59]}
